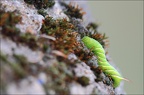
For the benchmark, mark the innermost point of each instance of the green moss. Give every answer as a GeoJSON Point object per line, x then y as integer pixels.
{"type": "Point", "coordinates": [20, 59]}
{"type": "Point", "coordinates": [29, 1]}
{"type": "Point", "coordinates": [18, 70]}
{"type": "Point", "coordinates": [8, 20]}
{"type": "Point", "coordinates": [3, 57]}
{"type": "Point", "coordinates": [92, 26]}
{"type": "Point", "coordinates": [41, 3]}
{"type": "Point", "coordinates": [28, 39]}
{"type": "Point", "coordinates": [73, 10]}
{"type": "Point", "coordinates": [42, 12]}
{"type": "Point", "coordinates": [61, 76]}
{"type": "Point", "coordinates": [84, 81]}
{"type": "Point", "coordinates": [62, 30]}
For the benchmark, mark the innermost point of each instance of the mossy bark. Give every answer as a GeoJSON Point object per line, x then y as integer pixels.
{"type": "Point", "coordinates": [42, 52]}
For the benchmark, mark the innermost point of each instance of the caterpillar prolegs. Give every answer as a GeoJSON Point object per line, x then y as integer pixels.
{"type": "Point", "coordinates": [99, 52]}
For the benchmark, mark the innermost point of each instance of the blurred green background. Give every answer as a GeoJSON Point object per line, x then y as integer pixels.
{"type": "Point", "coordinates": [122, 21]}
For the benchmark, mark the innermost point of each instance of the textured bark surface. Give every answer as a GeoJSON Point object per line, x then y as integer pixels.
{"type": "Point", "coordinates": [41, 50]}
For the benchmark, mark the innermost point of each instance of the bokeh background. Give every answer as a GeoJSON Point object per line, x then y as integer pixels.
{"type": "Point", "coordinates": [122, 21]}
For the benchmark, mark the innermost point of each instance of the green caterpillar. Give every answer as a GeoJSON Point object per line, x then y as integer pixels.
{"type": "Point", "coordinates": [98, 50]}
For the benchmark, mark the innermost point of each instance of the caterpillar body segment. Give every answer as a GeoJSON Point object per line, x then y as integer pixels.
{"type": "Point", "coordinates": [116, 79]}
{"type": "Point", "coordinates": [103, 63]}
{"type": "Point", "coordinates": [99, 52]}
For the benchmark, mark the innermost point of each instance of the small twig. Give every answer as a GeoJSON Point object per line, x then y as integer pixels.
{"type": "Point", "coordinates": [46, 36]}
